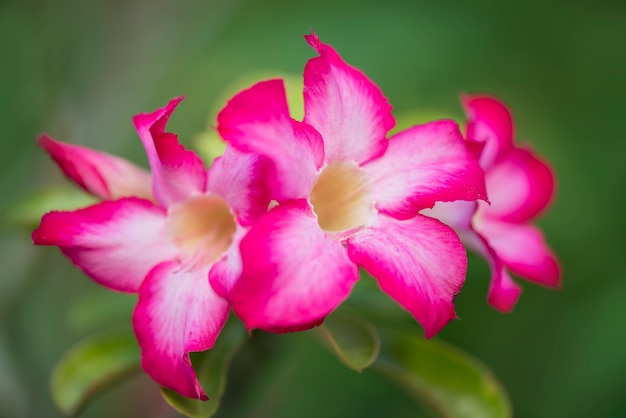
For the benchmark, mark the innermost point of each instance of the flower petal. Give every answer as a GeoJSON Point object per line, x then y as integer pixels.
{"type": "Point", "coordinates": [490, 123]}
{"type": "Point", "coordinates": [457, 214]}
{"type": "Point", "coordinates": [257, 120]}
{"type": "Point", "coordinates": [520, 187]}
{"type": "Point", "coordinates": [345, 107]}
{"type": "Point", "coordinates": [101, 174]}
{"type": "Point", "coordinates": [177, 173]}
{"type": "Point", "coordinates": [523, 250]}
{"type": "Point", "coordinates": [115, 242]}
{"type": "Point", "coordinates": [225, 273]}
{"type": "Point", "coordinates": [241, 180]}
{"type": "Point", "coordinates": [503, 291]}
{"type": "Point", "coordinates": [293, 274]}
{"type": "Point", "coordinates": [177, 312]}
{"type": "Point", "coordinates": [422, 165]}
{"type": "Point", "coordinates": [419, 262]}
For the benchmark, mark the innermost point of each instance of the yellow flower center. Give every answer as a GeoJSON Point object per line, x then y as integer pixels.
{"type": "Point", "coordinates": [340, 198]}
{"type": "Point", "coordinates": [203, 228]}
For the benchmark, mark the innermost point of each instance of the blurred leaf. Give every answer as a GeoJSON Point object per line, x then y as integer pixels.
{"type": "Point", "coordinates": [211, 367]}
{"type": "Point", "coordinates": [353, 339]}
{"type": "Point", "coordinates": [29, 211]}
{"type": "Point", "coordinates": [91, 367]}
{"type": "Point", "coordinates": [451, 382]}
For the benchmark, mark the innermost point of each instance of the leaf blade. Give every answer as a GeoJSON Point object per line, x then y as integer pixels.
{"type": "Point", "coordinates": [451, 382]}
{"type": "Point", "coordinates": [92, 366]}
{"type": "Point", "coordinates": [354, 340]}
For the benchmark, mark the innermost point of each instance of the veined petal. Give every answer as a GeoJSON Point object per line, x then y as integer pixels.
{"type": "Point", "coordinates": [101, 174]}
{"type": "Point", "coordinates": [241, 180]}
{"type": "Point", "coordinates": [177, 313]}
{"type": "Point", "coordinates": [422, 165]}
{"type": "Point", "coordinates": [115, 242]}
{"type": "Point", "coordinates": [523, 250]}
{"type": "Point", "coordinates": [257, 120]}
{"type": "Point", "coordinates": [176, 172]}
{"type": "Point", "coordinates": [520, 187]}
{"type": "Point", "coordinates": [293, 274]}
{"type": "Point", "coordinates": [345, 107]}
{"type": "Point", "coordinates": [419, 262]}
{"type": "Point", "coordinates": [490, 122]}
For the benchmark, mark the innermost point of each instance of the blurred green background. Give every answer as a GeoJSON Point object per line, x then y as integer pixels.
{"type": "Point", "coordinates": [80, 70]}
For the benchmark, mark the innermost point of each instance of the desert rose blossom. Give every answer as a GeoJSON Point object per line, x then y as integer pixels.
{"type": "Point", "coordinates": [520, 186]}
{"type": "Point", "coordinates": [347, 197]}
{"type": "Point", "coordinates": [160, 234]}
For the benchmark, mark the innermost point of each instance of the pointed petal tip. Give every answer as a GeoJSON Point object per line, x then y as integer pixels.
{"type": "Point", "coordinates": [146, 120]}
{"type": "Point", "coordinates": [313, 40]}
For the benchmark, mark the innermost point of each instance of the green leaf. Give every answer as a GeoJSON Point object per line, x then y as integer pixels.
{"type": "Point", "coordinates": [451, 382]}
{"type": "Point", "coordinates": [91, 367]}
{"type": "Point", "coordinates": [211, 367]}
{"type": "Point", "coordinates": [353, 339]}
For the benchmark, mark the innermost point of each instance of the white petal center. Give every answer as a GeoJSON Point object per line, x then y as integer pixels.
{"type": "Point", "coordinates": [203, 228]}
{"type": "Point", "coordinates": [340, 197]}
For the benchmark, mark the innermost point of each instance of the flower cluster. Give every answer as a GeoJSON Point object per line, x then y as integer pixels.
{"type": "Point", "coordinates": [278, 226]}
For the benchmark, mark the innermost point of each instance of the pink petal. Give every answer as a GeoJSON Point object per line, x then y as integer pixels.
{"type": "Point", "coordinates": [503, 291]}
{"type": "Point", "coordinates": [177, 173]}
{"type": "Point", "coordinates": [226, 272]}
{"type": "Point", "coordinates": [422, 165]}
{"type": "Point", "coordinates": [293, 274]}
{"type": "Point", "coordinates": [257, 120]}
{"type": "Point", "coordinates": [101, 174]}
{"type": "Point", "coordinates": [520, 187]}
{"type": "Point", "coordinates": [523, 250]}
{"type": "Point", "coordinates": [345, 107]}
{"type": "Point", "coordinates": [115, 242]}
{"type": "Point", "coordinates": [457, 214]}
{"type": "Point", "coordinates": [490, 123]}
{"type": "Point", "coordinates": [177, 312]}
{"type": "Point", "coordinates": [419, 262]}
{"type": "Point", "coordinates": [241, 180]}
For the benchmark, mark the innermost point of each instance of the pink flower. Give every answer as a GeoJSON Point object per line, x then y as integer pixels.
{"type": "Point", "coordinates": [520, 186]}
{"type": "Point", "coordinates": [347, 197]}
{"type": "Point", "coordinates": [160, 235]}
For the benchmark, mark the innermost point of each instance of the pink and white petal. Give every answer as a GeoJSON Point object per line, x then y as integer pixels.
{"type": "Point", "coordinates": [241, 180]}
{"type": "Point", "coordinates": [345, 107]}
{"type": "Point", "coordinates": [177, 313]}
{"type": "Point", "coordinates": [98, 173]}
{"type": "Point", "coordinates": [457, 214]}
{"type": "Point", "coordinates": [490, 122]}
{"type": "Point", "coordinates": [177, 173]}
{"type": "Point", "coordinates": [423, 165]}
{"type": "Point", "coordinates": [520, 187]}
{"type": "Point", "coordinates": [257, 120]}
{"type": "Point", "coordinates": [115, 242]}
{"type": "Point", "coordinates": [293, 275]}
{"type": "Point", "coordinates": [419, 262]}
{"type": "Point", "coordinates": [226, 272]}
{"type": "Point", "coordinates": [522, 250]}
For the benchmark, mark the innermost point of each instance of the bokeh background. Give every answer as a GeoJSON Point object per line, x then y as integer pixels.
{"type": "Point", "coordinates": [80, 69]}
